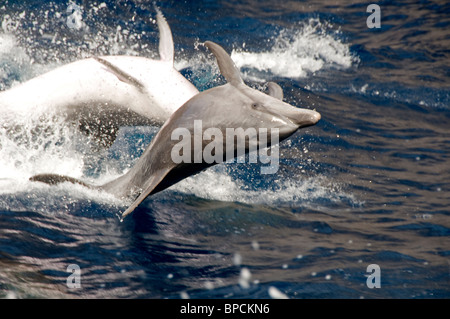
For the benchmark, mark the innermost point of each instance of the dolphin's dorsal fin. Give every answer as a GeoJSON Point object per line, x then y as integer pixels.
{"type": "Point", "coordinates": [226, 65]}
{"type": "Point", "coordinates": [166, 51]}
{"type": "Point", "coordinates": [121, 74]}
{"type": "Point", "coordinates": [275, 90]}
{"type": "Point", "coordinates": [155, 180]}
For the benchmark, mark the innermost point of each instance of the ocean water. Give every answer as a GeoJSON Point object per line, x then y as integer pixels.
{"type": "Point", "coordinates": [369, 184]}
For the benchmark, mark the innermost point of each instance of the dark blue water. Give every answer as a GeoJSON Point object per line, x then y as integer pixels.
{"type": "Point", "coordinates": [369, 184]}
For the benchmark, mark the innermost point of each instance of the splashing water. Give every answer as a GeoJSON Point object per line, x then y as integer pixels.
{"type": "Point", "coordinates": [217, 184]}
{"type": "Point", "coordinates": [297, 53]}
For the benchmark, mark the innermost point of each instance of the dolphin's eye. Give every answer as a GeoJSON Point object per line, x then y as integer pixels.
{"type": "Point", "coordinates": [255, 105]}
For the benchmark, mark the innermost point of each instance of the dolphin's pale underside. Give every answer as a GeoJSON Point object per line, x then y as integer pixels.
{"type": "Point", "coordinates": [101, 94]}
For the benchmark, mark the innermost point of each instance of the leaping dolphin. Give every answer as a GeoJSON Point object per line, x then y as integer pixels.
{"type": "Point", "coordinates": [233, 105]}
{"type": "Point", "coordinates": [103, 93]}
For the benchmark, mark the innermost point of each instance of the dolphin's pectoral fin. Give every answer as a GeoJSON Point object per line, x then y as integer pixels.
{"type": "Point", "coordinates": [166, 51]}
{"type": "Point", "coordinates": [155, 180]}
{"type": "Point", "coordinates": [227, 67]}
{"type": "Point", "coordinates": [275, 90]}
{"type": "Point", "coordinates": [53, 179]}
{"type": "Point", "coordinates": [121, 74]}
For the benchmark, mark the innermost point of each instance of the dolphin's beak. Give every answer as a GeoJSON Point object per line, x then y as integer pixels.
{"type": "Point", "coordinates": [305, 118]}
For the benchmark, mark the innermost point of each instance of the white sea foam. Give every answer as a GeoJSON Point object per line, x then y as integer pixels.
{"type": "Point", "coordinates": [46, 145]}
{"type": "Point", "coordinates": [216, 184]}
{"type": "Point", "coordinates": [297, 53]}
{"type": "Point", "coordinates": [37, 145]}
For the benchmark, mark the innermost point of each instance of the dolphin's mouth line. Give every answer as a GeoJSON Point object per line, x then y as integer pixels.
{"type": "Point", "coordinates": [285, 120]}
{"type": "Point", "coordinates": [279, 120]}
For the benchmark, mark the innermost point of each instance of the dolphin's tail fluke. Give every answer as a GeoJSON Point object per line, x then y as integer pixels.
{"type": "Point", "coordinates": [53, 179]}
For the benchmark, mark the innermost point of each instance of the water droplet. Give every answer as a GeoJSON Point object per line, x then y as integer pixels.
{"type": "Point", "coordinates": [274, 293]}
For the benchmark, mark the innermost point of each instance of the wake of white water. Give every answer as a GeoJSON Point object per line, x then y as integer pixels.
{"type": "Point", "coordinates": [296, 53]}
{"type": "Point", "coordinates": [30, 146]}
{"type": "Point", "coordinates": [217, 184]}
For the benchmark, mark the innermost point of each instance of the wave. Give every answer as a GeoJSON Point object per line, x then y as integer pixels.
{"type": "Point", "coordinates": [218, 184]}
{"type": "Point", "coordinates": [297, 53]}
{"type": "Point", "coordinates": [423, 96]}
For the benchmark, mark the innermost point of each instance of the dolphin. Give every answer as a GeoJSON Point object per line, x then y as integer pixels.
{"type": "Point", "coordinates": [101, 94]}
{"type": "Point", "coordinates": [232, 105]}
